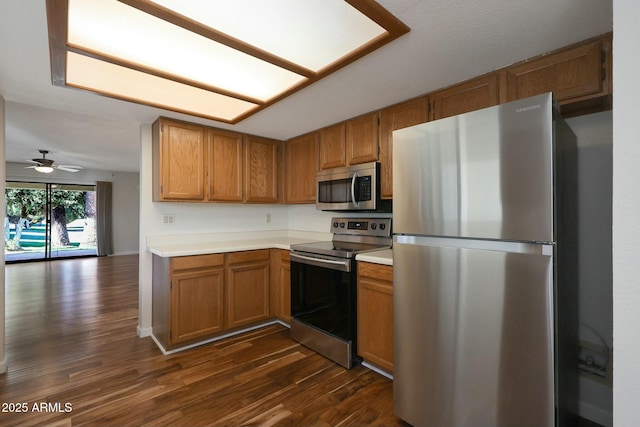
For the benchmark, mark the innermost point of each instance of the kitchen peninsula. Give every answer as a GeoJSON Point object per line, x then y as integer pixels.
{"type": "Point", "coordinates": [206, 287]}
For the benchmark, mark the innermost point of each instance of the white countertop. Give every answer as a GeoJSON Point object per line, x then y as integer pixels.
{"type": "Point", "coordinates": [200, 244]}
{"type": "Point", "coordinates": [378, 257]}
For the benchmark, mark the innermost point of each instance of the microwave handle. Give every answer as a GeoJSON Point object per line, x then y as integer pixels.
{"type": "Point", "coordinates": [355, 202]}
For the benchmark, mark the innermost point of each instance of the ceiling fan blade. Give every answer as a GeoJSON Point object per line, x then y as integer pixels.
{"type": "Point", "coordinates": [69, 168]}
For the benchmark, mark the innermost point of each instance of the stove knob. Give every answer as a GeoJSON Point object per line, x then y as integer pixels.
{"type": "Point", "coordinates": [342, 225]}
{"type": "Point", "coordinates": [374, 226]}
{"type": "Point", "coordinates": [335, 224]}
{"type": "Point", "coordinates": [383, 226]}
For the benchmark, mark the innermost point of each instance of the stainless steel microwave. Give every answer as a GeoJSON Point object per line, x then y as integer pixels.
{"type": "Point", "coordinates": [351, 188]}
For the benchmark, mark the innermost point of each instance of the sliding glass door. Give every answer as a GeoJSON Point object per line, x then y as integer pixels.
{"type": "Point", "coordinates": [45, 221]}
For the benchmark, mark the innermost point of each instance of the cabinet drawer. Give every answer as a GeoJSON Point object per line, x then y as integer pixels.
{"type": "Point", "coordinates": [247, 256]}
{"type": "Point", "coordinates": [376, 271]}
{"type": "Point", "coordinates": [196, 261]}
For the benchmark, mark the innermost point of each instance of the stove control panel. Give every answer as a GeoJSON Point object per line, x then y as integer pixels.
{"type": "Point", "coordinates": [379, 227]}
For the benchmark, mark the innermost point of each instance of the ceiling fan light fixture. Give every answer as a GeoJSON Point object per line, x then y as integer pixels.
{"type": "Point", "coordinates": [44, 169]}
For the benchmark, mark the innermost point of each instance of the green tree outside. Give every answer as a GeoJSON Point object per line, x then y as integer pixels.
{"type": "Point", "coordinates": [30, 205]}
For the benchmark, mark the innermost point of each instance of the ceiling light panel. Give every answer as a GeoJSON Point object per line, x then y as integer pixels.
{"type": "Point", "coordinates": [223, 60]}
{"type": "Point", "coordinates": [109, 79]}
{"type": "Point", "coordinates": [310, 33]}
{"type": "Point", "coordinates": [114, 30]}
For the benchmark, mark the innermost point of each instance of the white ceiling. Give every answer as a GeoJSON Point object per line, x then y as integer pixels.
{"type": "Point", "coordinates": [450, 41]}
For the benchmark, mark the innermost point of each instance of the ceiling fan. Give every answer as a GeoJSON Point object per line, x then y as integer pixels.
{"type": "Point", "coordinates": [45, 165]}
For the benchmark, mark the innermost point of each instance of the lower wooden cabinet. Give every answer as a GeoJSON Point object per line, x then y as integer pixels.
{"type": "Point", "coordinates": [247, 287]}
{"type": "Point", "coordinates": [375, 314]}
{"type": "Point", "coordinates": [281, 285]}
{"type": "Point", "coordinates": [196, 303]}
{"type": "Point", "coordinates": [198, 297]}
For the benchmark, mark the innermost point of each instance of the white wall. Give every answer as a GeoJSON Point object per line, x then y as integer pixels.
{"type": "Point", "coordinates": [626, 213]}
{"type": "Point", "coordinates": [3, 357]}
{"type": "Point", "coordinates": [126, 211]}
{"type": "Point", "coordinates": [125, 193]}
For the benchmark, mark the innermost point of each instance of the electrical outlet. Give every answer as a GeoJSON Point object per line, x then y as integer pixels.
{"type": "Point", "coordinates": [168, 219]}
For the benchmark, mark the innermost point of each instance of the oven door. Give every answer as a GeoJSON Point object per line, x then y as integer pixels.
{"type": "Point", "coordinates": [323, 294]}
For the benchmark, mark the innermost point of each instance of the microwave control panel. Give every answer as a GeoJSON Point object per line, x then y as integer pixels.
{"type": "Point", "coordinates": [364, 186]}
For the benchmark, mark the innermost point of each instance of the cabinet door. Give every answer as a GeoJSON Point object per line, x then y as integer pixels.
{"type": "Point", "coordinates": [261, 170]}
{"type": "Point", "coordinates": [571, 73]}
{"type": "Point", "coordinates": [300, 167]}
{"type": "Point", "coordinates": [375, 315]}
{"type": "Point", "coordinates": [399, 116]}
{"type": "Point", "coordinates": [225, 166]}
{"type": "Point", "coordinates": [362, 139]}
{"type": "Point", "coordinates": [181, 155]}
{"type": "Point", "coordinates": [281, 285]}
{"type": "Point", "coordinates": [247, 293]}
{"type": "Point", "coordinates": [468, 96]}
{"type": "Point", "coordinates": [196, 304]}
{"type": "Point", "coordinates": [332, 147]}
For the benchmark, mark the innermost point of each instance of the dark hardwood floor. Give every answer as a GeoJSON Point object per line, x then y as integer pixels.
{"type": "Point", "coordinates": [75, 360]}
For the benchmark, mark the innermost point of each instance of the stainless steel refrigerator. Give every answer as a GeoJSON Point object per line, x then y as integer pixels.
{"type": "Point", "coordinates": [484, 257]}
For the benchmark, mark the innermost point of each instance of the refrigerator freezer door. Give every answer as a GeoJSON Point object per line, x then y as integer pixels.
{"type": "Point", "coordinates": [473, 333]}
{"type": "Point", "coordinates": [485, 174]}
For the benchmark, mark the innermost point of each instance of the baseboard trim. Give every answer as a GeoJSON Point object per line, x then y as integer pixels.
{"type": "Point", "coordinates": [378, 370]}
{"type": "Point", "coordinates": [3, 365]}
{"type": "Point", "coordinates": [144, 332]}
{"type": "Point", "coordinates": [214, 339]}
{"type": "Point", "coordinates": [125, 253]}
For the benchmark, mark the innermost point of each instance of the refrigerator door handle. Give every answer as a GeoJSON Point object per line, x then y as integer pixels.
{"type": "Point", "coordinates": [534, 248]}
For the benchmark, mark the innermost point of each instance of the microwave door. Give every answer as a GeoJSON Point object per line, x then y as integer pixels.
{"type": "Point", "coordinates": [352, 188]}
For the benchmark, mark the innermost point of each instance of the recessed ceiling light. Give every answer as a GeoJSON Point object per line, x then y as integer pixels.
{"type": "Point", "coordinates": [222, 60]}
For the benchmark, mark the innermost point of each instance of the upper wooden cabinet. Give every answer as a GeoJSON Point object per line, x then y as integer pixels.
{"type": "Point", "coordinates": [225, 166]}
{"type": "Point", "coordinates": [349, 143]}
{"type": "Point", "coordinates": [578, 75]}
{"type": "Point", "coordinates": [195, 163]}
{"type": "Point", "coordinates": [179, 161]}
{"type": "Point", "coordinates": [399, 116]}
{"type": "Point", "coordinates": [198, 164]}
{"type": "Point", "coordinates": [261, 170]}
{"type": "Point", "coordinates": [300, 168]}
{"type": "Point", "coordinates": [471, 95]}
{"type": "Point", "coordinates": [362, 139]}
{"type": "Point", "coordinates": [333, 148]}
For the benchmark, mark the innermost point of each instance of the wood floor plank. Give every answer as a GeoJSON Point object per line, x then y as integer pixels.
{"type": "Point", "coordinates": [71, 340]}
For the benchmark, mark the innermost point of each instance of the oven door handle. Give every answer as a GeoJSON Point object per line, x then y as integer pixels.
{"type": "Point", "coordinates": [344, 265]}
